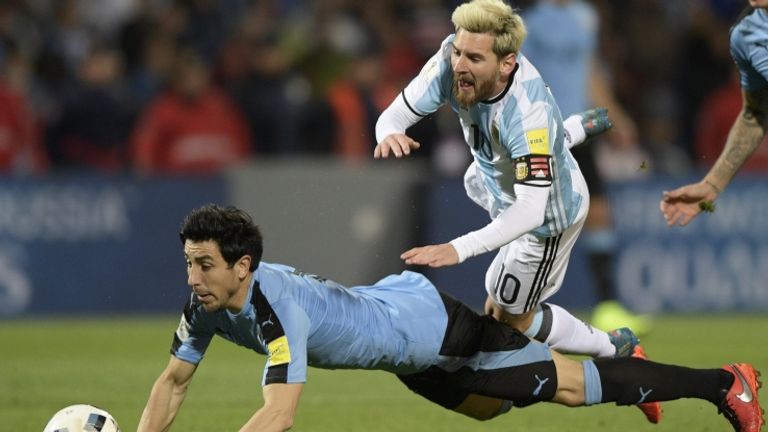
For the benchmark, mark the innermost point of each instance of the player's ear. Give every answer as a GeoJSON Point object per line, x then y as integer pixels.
{"type": "Point", "coordinates": [508, 63]}
{"type": "Point", "coordinates": [243, 266]}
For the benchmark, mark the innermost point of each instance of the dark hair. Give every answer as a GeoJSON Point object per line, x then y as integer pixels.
{"type": "Point", "coordinates": [231, 228]}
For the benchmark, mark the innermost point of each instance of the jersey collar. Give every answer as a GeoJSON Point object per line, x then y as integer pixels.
{"type": "Point", "coordinates": [506, 89]}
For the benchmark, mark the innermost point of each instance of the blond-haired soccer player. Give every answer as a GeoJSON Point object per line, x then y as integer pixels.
{"type": "Point", "coordinates": [523, 173]}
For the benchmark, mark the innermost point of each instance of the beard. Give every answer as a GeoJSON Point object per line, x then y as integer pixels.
{"type": "Point", "coordinates": [481, 90]}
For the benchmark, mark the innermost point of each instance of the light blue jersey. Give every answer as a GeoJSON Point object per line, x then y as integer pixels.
{"type": "Point", "coordinates": [562, 43]}
{"type": "Point", "coordinates": [749, 48]}
{"type": "Point", "coordinates": [523, 121]}
{"type": "Point", "coordinates": [301, 320]}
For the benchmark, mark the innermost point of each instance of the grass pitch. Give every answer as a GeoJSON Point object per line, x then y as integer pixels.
{"type": "Point", "coordinates": [112, 363]}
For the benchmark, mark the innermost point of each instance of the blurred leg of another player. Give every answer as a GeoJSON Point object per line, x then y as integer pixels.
{"type": "Point", "coordinates": [599, 240]}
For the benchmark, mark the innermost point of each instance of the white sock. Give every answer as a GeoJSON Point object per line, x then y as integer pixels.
{"type": "Point", "coordinates": [574, 131]}
{"type": "Point", "coordinates": [571, 335]}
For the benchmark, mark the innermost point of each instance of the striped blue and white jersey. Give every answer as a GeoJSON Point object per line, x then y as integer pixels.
{"type": "Point", "coordinates": [749, 48]}
{"type": "Point", "coordinates": [521, 122]}
{"type": "Point", "coordinates": [300, 320]}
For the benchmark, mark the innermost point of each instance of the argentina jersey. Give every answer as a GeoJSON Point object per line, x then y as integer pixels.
{"type": "Point", "coordinates": [749, 48]}
{"type": "Point", "coordinates": [300, 320]}
{"type": "Point", "coordinates": [517, 136]}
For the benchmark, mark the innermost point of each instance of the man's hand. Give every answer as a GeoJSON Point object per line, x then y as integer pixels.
{"type": "Point", "coordinates": [683, 204]}
{"type": "Point", "coordinates": [434, 256]}
{"type": "Point", "coordinates": [397, 144]}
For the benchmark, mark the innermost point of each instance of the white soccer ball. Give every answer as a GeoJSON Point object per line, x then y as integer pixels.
{"type": "Point", "coordinates": [82, 418]}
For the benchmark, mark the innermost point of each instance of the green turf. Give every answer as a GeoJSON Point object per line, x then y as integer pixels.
{"type": "Point", "coordinates": [112, 363]}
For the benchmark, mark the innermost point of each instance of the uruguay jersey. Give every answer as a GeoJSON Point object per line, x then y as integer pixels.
{"type": "Point", "coordinates": [300, 320]}
{"type": "Point", "coordinates": [514, 137]}
{"type": "Point", "coordinates": [749, 48]}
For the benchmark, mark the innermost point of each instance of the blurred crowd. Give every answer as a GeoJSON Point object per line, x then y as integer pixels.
{"type": "Point", "coordinates": [197, 86]}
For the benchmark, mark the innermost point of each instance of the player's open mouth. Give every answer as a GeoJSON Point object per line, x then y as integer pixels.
{"type": "Point", "coordinates": [465, 84]}
{"type": "Point", "coordinates": [203, 297]}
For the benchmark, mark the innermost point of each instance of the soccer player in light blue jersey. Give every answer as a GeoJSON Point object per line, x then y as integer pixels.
{"type": "Point", "coordinates": [436, 346]}
{"type": "Point", "coordinates": [523, 173]}
{"type": "Point", "coordinates": [749, 48]}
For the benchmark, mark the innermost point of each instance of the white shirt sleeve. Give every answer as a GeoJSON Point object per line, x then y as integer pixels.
{"type": "Point", "coordinates": [574, 131]}
{"type": "Point", "coordinates": [526, 214]}
{"type": "Point", "coordinates": [395, 119]}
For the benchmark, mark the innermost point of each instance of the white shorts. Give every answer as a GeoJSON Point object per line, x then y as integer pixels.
{"type": "Point", "coordinates": [531, 269]}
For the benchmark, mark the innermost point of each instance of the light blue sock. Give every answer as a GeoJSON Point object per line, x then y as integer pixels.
{"type": "Point", "coordinates": [535, 327]}
{"type": "Point", "coordinates": [593, 389]}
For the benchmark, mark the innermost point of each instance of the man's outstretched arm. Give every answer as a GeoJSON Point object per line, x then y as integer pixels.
{"type": "Point", "coordinates": [684, 203]}
{"type": "Point", "coordinates": [167, 395]}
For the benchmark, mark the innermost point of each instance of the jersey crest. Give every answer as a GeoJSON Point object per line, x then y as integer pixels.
{"type": "Point", "coordinates": [495, 135]}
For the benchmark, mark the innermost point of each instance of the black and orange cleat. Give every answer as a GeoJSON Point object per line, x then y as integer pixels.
{"type": "Point", "coordinates": [740, 404]}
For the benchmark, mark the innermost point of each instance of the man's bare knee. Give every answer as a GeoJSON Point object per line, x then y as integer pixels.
{"type": "Point", "coordinates": [521, 322]}
{"type": "Point", "coordinates": [570, 381]}
{"type": "Point", "coordinates": [481, 407]}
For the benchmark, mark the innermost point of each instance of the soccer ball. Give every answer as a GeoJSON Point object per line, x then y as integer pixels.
{"type": "Point", "coordinates": [82, 418]}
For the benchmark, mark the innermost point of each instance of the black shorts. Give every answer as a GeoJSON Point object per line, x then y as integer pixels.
{"type": "Point", "coordinates": [480, 338]}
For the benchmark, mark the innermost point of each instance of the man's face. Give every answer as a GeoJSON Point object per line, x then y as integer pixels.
{"type": "Point", "coordinates": [476, 68]}
{"type": "Point", "coordinates": [216, 285]}
{"type": "Point", "coordinates": [759, 3]}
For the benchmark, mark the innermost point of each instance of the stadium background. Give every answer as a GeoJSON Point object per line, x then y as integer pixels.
{"type": "Point", "coordinates": [88, 223]}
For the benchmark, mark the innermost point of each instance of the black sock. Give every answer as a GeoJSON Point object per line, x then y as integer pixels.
{"type": "Point", "coordinates": [628, 381]}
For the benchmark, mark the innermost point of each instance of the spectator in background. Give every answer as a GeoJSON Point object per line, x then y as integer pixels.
{"type": "Point", "coordinates": [21, 150]}
{"type": "Point", "coordinates": [67, 37]}
{"type": "Point", "coordinates": [94, 122]}
{"type": "Point", "coordinates": [148, 42]}
{"type": "Point", "coordinates": [705, 64]}
{"type": "Point", "coordinates": [562, 43]}
{"type": "Point", "coordinates": [191, 128]}
{"type": "Point", "coordinates": [357, 99]}
{"type": "Point", "coordinates": [271, 94]}
{"type": "Point", "coordinates": [380, 59]}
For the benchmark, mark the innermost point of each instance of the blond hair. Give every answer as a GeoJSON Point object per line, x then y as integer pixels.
{"type": "Point", "coordinates": [494, 17]}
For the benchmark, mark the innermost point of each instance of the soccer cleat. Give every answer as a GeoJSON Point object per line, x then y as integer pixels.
{"type": "Point", "coordinates": [611, 314]}
{"type": "Point", "coordinates": [652, 410]}
{"type": "Point", "coordinates": [740, 405]}
{"type": "Point", "coordinates": [595, 121]}
{"type": "Point", "coordinates": [624, 340]}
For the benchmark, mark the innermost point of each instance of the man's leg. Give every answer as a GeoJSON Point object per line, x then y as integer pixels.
{"type": "Point", "coordinates": [599, 243]}
{"type": "Point", "coordinates": [733, 389]}
{"type": "Point", "coordinates": [564, 332]}
{"type": "Point", "coordinates": [530, 270]}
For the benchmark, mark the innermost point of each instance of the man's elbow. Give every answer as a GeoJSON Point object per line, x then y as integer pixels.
{"type": "Point", "coordinates": [285, 423]}
{"type": "Point", "coordinates": [284, 417]}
